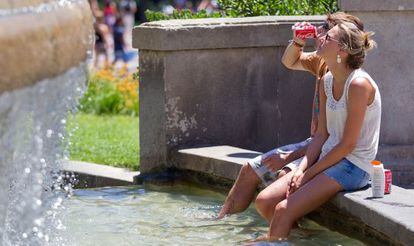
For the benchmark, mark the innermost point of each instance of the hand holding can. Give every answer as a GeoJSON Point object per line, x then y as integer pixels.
{"type": "Point", "coordinates": [304, 30]}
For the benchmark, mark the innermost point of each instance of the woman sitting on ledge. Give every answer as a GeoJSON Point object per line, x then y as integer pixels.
{"type": "Point", "coordinates": [346, 139]}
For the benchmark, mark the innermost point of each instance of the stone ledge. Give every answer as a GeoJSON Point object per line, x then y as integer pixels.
{"type": "Point", "coordinates": [221, 161]}
{"type": "Point", "coordinates": [93, 175]}
{"type": "Point", "coordinates": [41, 45]}
{"type": "Point", "coordinates": [377, 5]}
{"type": "Point", "coordinates": [389, 219]}
{"type": "Point", "coordinates": [217, 33]}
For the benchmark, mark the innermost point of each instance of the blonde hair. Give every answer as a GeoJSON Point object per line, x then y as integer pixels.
{"type": "Point", "coordinates": [339, 17]}
{"type": "Point", "coordinates": [355, 42]}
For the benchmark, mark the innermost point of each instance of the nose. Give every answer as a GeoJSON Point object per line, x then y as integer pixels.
{"type": "Point", "coordinates": [320, 31]}
{"type": "Point", "coordinates": [320, 40]}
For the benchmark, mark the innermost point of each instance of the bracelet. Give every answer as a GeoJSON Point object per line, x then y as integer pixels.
{"type": "Point", "coordinates": [295, 43]}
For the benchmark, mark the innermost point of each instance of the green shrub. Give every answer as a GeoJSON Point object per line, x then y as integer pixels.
{"type": "Point", "coordinates": [245, 8]}
{"type": "Point", "coordinates": [182, 14]}
{"type": "Point", "coordinates": [242, 8]}
{"type": "Point", "coordinates": [109, 92]}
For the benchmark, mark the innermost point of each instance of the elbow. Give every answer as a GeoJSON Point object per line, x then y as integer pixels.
{"type": "Point", "coordinates": [348, 147]}
{"type": "Point", "coordinates": [321, 136]}
{"type": "Point", "coordinates": [286, 63]}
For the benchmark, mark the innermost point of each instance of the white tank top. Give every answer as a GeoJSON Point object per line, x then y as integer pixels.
{"type": "Point", "coordinates": [336, 114]}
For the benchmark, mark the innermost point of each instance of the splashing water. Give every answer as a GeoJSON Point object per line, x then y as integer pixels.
{"type": "Point", "coordinates": [32, 141]}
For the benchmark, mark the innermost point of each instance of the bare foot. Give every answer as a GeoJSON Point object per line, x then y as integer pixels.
{"type": "Point", "coordinates": [226, 209]}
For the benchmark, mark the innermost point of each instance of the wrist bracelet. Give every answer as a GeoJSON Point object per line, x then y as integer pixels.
{"type": "Point", "coordinates": [295, 43]}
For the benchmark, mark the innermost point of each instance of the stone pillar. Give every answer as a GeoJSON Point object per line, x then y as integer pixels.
{"type": "Point", "coordinates": [391, 65]}
{"type": "Point", "coordinates": [219, 82]}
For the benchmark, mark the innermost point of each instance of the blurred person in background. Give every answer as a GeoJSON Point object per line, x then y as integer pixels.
{"type": "Point", "coordinates": [180, 4]}
{"type": "Point", "coordinates": [208, 5]}
{"type": "Point", "coordinates": [119, 41]}
{"type": "Point", "coordinates": [128, 8]}
{"type": "Point", "coordinates": [102, 39]}
{"type": "Point", "coordinates": [110, 13]}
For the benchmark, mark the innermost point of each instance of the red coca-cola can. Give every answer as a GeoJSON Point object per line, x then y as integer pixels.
{"type": "Point", "coordinates": [388, 181]}
{"type": "Point", "coordinates": [304, 31]}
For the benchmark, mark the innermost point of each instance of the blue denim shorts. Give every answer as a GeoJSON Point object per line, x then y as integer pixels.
{"type": "Point", "coordinates": [348, 175]}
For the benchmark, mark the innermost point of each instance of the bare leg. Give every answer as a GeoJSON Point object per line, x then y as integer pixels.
{"type": "Point", "coordinates": [95, 57]}
{"type": "Point", "coordinates": [308, 198]}
{"type": "Point", "coordinates": [242, 192]}
{"type": "Point", "coordinates": [271, 196]}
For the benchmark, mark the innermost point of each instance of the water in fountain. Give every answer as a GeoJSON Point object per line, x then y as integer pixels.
{"type": "Point", "coordinates": [32, 140]}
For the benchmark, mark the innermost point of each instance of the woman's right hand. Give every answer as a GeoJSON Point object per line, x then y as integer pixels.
{"type": "Point", "coordinates": [297, 39]}
{"type": "Point", "coordinates": [295, 182]}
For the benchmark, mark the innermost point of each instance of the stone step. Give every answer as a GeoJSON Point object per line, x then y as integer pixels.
{"type": "Point", "coordinates": [93, 175]}
{"type": "Point", "coordinates": [387, 220]}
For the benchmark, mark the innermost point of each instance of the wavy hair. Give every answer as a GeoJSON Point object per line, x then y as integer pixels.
{"type": "Point", "coordinates": [355, 42]}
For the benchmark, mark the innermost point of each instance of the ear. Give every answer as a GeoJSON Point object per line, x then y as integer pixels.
{"type": "Point", "coordinates": [342, 52]}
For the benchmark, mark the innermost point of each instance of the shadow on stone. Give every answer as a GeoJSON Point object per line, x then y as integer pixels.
{"type": "Point", "coordinates": [243, 155]}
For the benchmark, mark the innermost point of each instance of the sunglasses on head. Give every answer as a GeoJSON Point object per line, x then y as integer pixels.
{"type": "Point", "coordinates": [323, 28]}
{"type": "Point", "coordinates": [326, 26]}
{"type": "Point", "coordinates": [329, 38]}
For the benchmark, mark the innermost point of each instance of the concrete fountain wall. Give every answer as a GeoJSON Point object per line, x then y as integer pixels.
{"type": "Point", "coordinates": [44, 46]}
{"type": "Point", "coordinates": [219, 82]}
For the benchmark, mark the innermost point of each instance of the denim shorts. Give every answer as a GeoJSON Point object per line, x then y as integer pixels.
{"type": "Point", "coordinates": [265, 174]}
{"type": "Point", "coordinates": [348, 175]}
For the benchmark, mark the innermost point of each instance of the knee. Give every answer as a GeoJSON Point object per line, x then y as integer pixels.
{"type": "Point", "coordinates": [281, 208]}
{"type": "Point", "coordinates": [281, 211]}
{"type": "Point", "coordinates": [247, 172]}
{"type": "Point", "coordinates": [245, 168]}
{"type": "Point", "coordinates": [264, 205]}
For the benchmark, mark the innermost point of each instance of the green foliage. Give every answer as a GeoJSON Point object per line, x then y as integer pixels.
{"type": "Point", "coordinates": [182, 14]}
{"type": "Point", "coordinates": [105, 139]}
{"type": "Point", "coordinates": [242, 8]}
{"type": "Point", "coordinates": [101, 97]}
{"type": "Point", "coordinates": [111, 93]}
{"type": "Point", "coordinates": [245, 8]}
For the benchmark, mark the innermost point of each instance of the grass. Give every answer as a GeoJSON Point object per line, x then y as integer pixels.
{"type": "Point", "coordinates": [111, 139]}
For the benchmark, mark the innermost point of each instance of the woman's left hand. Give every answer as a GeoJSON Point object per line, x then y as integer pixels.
{"type": "Point", "coordinates": [295, 182]}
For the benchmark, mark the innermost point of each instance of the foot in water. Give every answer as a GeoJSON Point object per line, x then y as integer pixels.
{"type": "Point", "coordinates": [226, 209]}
